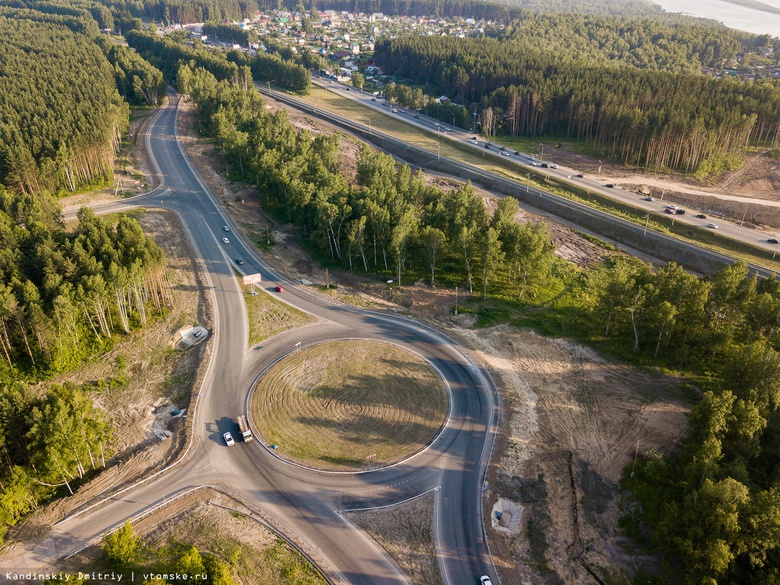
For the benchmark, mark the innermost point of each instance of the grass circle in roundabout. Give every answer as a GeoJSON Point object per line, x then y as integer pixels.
{"type": "Point", "coordinates": [349, 405]}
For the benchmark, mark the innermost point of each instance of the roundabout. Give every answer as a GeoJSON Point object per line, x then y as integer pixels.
{"type": "Point", "coordinates": [349, 405]}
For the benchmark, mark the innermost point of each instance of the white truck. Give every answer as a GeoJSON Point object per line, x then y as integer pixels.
{"type": "Point", "coordinates": [246, 432]}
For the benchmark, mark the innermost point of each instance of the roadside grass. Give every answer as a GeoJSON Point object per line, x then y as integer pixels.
{"type": "Point", "coordinates": [247, 551]}
{"type": "Point", "coordinates": [349, 405]}
{"type": "Point", "coordinates": [536, 177]}
{"type": "Point", "coordinates": [269, 316]}
{"type": "Point", "coordinates": [404, 531]}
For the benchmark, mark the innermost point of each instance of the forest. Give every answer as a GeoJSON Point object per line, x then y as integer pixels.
{"type": "Point", "coordinates": [166, 52]}
{"type": "Point", "coordinates": [65, 295]}
{"type": "Point", "coordinates": [62, 116]}
{"type": "Point", "coordinates": [723, 330]}
{"type": "Point", "coordinates": [649, 118]}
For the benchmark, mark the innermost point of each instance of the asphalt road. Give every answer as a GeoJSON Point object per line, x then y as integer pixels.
{"type": "Point", "coordinates": [306, 502]}
{"type": "Point", "coordinates": [524, 160]}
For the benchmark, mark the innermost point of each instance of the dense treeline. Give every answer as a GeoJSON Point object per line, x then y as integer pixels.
{"type": "Point", "coordinates": [139, 82]}
{"type": "Point", "coordinates": [476, 9]}
{"type": "Point", "coordinates": [655, 119]}
{"type": "Point", "coordinates": [48, 442]}
{"type": "Point", "coordinates": [61, 114]}
{"type": "Point", "coordinates": [229, 33]}
{"type": "Point", "coordinates": [669, 43]}
{"type": "Point", "coordinates": [235, 66]}
{"type": "Point", "coordinates": [183, 11]}
{"type": "Point", "coordinates": [62, 295]}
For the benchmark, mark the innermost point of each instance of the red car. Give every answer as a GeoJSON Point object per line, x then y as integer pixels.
{"type": "Point", "coordinates": [667, 210]}
{"type": "Point", "coordinates": [278, 288]}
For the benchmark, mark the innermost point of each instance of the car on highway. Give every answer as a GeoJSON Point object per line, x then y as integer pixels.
{"type": "Point", "coordinates": [504, 153]}
{"type": "Point", "coordinates": [226, 228]}
{"type": "Point", "coordinates": [373, 99]}
{"type": "Point", "coordinates": [532, 157]}
{"type": "Point", "coordinates": [485, 580]}
{"type": "Point", "coordinates": [447, 129]}
{"type": "Point", "coordinates": [474, 141]}
{"type": "Point", "coordinates": [609, 186]}
{"type": "Point", "coordinates": [580, 176]}
{"type": "Point", "coordinates": [772, 241]}
{"type": "Point", "coordinates": [278, 288]}
{"type": "Point", "coordinates": [487, 146]}
{"type": "Point", "coordinates": [225, 241]}
{"type": "Point", "coordinates": [240, 261]}
{"type": "Point", "coordinates": [712, 225]}
{"type": "Point", "coordinates": [394, 110]}
{"type": "Point", "coordinates": [648, 198]}
{"type": "Point", "coordinates": [680, 212]}
{"type": "Point", "coordinates": [671, 207]}
{"type": "Point", "coordinates": [700, 216]}
{"type": "Point", "coordinates": [228, 439]}
{"type": "Point", "coordinates": [474, 138]}
{"type": "Point", "coordinates": [545, 166]}
{"type": "Point", "coordinates": [348, 89]}
{"type": "Point", "coordinates": [517, 152]}
{"type": "Point", "coordinates": [669, 211]}
{"type": "Point", "coordinates": [503, 148]}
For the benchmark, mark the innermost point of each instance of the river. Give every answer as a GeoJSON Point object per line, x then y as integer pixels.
{"type": "Point", "coordinates": [733, 16]}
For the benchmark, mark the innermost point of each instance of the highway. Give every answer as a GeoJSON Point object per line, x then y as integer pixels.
{"type": "Point", "coordinates": [307, 503]}
{"type": "Point", "coordinates": [533, 162]}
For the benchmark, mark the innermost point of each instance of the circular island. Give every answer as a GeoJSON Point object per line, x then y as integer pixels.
{"type": "Point", "coordinates": [349, 405]}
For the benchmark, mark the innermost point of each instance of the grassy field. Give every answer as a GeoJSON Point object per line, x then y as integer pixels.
{"type": "Point", "coordinates": [268, 316]}
{"type": "Point", "coordinates": [349, 405]}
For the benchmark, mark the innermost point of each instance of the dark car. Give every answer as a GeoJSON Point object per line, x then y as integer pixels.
{"type": "Point", "coordinates": [545, 166]}
{"type": "Point", "coordinates": [772, 241]}
{"type": "Point", "coordinates": [680, 212]}
{"type": "Point", "coordinates": [279, 289]}
{"type": "Point", "coordinates": [240, 261]}
{"type": "Point", "coordinates": [701, 216]}
{"type": "Point", "coordinates": [580, 176]}
{"type": "Point", "coordinates": [503, 148]}
{"type": "Point", "coordinates": [373, 99]}
{"type": "Point", "coordinates": [487, 146]}
{"type": "Point", "coordinates": [517, 152]}
{"type": "Point", "coordinates": [610, 186]}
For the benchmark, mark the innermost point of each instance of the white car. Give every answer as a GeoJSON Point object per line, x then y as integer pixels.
{"type": "Point", "coordinates": [447, 129]}
{"type": "Point", "coordinates": [229, 439]}
{"type": "Point", "coordinates": [226, 228]}
{"type": "Point", "coordinates": [553, 166]}
{"type": "Point", "coordinates": [485, 580]}
{"type": "Point", "coordinates": [504, 153]}
{"type": "Point", "coordinates": [225, 241]}
{"type": "Point", "coordinates": [474, 142]}
{"type": "Point", "coordinates": [712, 225]}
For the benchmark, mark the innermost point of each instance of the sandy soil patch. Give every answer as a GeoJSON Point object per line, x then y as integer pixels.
{"type": "Point", "coordinates": [574, 422]}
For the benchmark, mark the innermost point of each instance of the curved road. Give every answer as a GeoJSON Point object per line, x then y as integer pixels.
{"type": "Point", "coordinates": [308, 502]}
